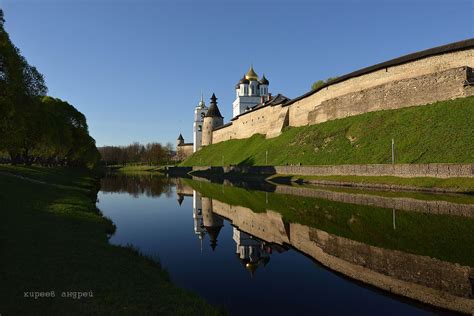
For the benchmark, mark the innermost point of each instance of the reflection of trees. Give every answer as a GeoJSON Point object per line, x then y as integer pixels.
{"type": "Point", "coordinates": [150, 185]}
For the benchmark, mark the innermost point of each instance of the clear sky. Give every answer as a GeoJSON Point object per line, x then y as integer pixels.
{"type": "Point", "coordinates": [136, 68]}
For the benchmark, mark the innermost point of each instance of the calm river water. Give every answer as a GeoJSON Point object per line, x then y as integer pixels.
{"type": "Point", "coordinates": [267, 249]}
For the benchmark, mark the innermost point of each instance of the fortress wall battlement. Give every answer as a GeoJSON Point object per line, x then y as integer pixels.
{"type": "Point", "coordinates": [414, 82]}
{"type": "Point", "coordinates": [425, 89]}
{"type": "Point", "coordinates": [422, 67]}
{"type": "Point", "coordinates": [184, 150]}
{"type": "Point", "coordinates": [255, 122]}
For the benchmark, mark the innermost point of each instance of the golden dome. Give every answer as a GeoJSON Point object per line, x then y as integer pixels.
{"type": "Point", "coordinates": [251, 75]}
{"type": "Point", "coordinates": [251, 267]}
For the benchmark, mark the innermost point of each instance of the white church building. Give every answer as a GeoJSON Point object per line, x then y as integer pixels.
{"type": "Point", "coordinates": [249, 91]}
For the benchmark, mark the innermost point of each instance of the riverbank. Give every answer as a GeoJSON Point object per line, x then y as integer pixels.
{"type": "Point", "coordinates": [135, 168]}
{"type": "Point", "coordinates": [424, 184]}
{"type": "Point", "coordinates": [54, 240]}
{"type": "Point", "coordinates": [440, 178]}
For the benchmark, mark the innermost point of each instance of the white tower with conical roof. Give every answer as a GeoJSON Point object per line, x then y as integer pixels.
{"type": "Point", "coordinates": [199, 113]}
{"type": "Point", "coordinates": [249, 92]}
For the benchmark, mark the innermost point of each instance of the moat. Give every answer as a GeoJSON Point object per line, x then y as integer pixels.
{"type": "Point", "coordinates": [272, 249]}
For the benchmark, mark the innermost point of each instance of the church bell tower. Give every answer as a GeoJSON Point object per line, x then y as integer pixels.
{"type": "Point", "coordinates": [199, 113]}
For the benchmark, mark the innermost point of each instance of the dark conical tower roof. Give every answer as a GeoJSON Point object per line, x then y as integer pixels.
{"type": "Point", "coordinates": [180, 199]}
{"type": "Point", "coordinates": [213, 232]}
{"type": "Point", "coordinates": [213, 109]}
{"type": "Point", "coordinates": [180, 137]}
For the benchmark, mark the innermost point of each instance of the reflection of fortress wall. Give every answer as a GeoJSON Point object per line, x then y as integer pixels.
{"type": "Point", "coordinates": [183, 189]}
{"type": "Point", "coordinates": [268, 226]}
{"type": "Point", "coordinates": [207, 214]}
{"type": "Point", "coordinates": [408, 204]}
{"type": "Point", "coordinates": [422, 278]}
{"type": "Point", "coordinates": [429, 280]}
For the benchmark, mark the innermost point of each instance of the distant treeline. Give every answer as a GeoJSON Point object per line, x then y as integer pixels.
{"type": "Point", "coordinates": [151, 153]}
{"type": "Point", "coordinates": [136, 185]}
{"type": "Point", "coordinates": [35, 128]}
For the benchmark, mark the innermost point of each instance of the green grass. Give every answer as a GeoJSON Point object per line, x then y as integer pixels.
{"type": "Point", "coordinates": [138, 168]}
{"type": "Point", "coordinates": [457, 184]}
{"type": "Point", "coordinates": [441, 132]}
{"type": "Point", "coordinates": [53, 238]}
{"type": "Point", "coordinates": [448, 238]}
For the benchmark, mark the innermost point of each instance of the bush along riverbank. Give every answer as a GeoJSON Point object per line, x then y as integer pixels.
{"type": "Point", "coordinates": [54, 243]}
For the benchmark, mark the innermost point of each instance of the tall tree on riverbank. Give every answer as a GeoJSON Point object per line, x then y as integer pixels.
{"type": "Point", "coordinates": [33, 127]}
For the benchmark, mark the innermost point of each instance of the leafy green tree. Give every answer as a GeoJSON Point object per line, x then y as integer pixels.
{"type": "Point", "coordinates": [318, 84]}
{"type": "Point", "coordinates": [35, 128]}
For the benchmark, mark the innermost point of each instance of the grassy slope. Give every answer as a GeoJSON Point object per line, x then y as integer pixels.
{"type": "Point", "coordinates": [52, 237]}
{"type": "Point", "coordinates": [439, 132]}
{"type": "Point", "coordinates": [448, 238]}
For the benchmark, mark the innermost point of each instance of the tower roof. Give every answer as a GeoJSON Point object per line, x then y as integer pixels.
{"type": "Point", "coordinates": [244, 80]}
{"type": "Point", "coordinates": [213, 109]}
{"type": "Point", "coordinates": [201, 103]}
{"type": "Point", "coordinates": [180, 199]}
{"type": "Point", "coordinates": [251, 75]}
{"type": "Point", "coordinates": [180, 137]}
{"type": "Point", "coordinates": [264, 80]}
{"type": "Point", "coordinates": [213, 232]}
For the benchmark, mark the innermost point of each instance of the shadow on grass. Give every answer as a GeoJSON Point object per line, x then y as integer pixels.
{"type": "Point", "coordinates": [249, 161]}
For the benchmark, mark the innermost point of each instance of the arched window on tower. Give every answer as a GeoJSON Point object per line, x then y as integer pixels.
{"type": "Point", "coordinates": [199, 128]}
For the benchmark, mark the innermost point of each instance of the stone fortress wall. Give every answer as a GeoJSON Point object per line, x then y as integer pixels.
{"type": "Point", "coordinates": [183, 151]}
{"type": "Point", "coordinates": [437, 74]}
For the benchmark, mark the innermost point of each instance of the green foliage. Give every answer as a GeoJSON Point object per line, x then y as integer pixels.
{"type": "Point", "coordinates": [53, 237]}
{"type": "Point", "coordinates": [139, 169]}
{"type": "Point", "coordinates": [441, 132]}
{"type": "Point", "coordinates": [136, 153]}
{"type": "Point", "coordinates": [318, 84]}
{"type": "Point", "coordinates": [35, 128]}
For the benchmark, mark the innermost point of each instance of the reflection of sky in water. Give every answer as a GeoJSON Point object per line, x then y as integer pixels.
{"type": "Point", "coordinates": [290, 283]}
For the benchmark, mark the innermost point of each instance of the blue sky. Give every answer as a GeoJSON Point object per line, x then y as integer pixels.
{"type": "Point", "coordinates": [136, 68]}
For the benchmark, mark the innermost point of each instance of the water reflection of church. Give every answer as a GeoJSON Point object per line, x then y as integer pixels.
{"type": "Point", "coordinates": [251, 252]}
